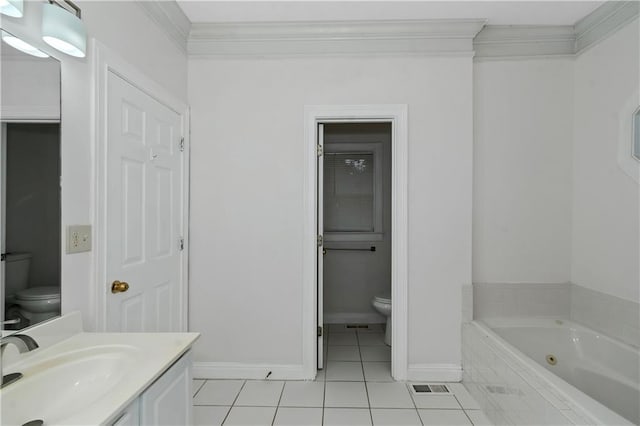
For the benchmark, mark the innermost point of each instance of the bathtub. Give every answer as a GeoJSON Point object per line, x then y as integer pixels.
{"type": "Point", "coordinates": [551, 371]}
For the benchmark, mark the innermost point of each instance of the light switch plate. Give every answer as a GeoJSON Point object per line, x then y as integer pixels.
{"type": "Point", "coordinates": [78, 238]}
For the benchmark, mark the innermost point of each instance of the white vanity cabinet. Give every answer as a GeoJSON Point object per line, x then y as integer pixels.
{"type": "Point", "coordinates": [130, 416]}
{"type": "Point", "coordinates": [167, 401]}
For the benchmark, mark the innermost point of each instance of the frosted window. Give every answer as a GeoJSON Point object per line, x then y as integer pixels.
{"type": "Point", "coordinates": [349, 192]}
{"type": "Point", "coordinates": [636, 135]}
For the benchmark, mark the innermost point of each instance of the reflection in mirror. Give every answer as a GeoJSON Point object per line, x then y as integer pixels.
{"type": "Point", "coordinates": [30, 176]}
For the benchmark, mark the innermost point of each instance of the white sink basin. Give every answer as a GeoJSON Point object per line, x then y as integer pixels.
{"type": "Point", "coordinates": [56, 387]}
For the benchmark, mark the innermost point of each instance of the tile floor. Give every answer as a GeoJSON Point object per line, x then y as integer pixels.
{"type": "Point", "coordinates": [355, 388]}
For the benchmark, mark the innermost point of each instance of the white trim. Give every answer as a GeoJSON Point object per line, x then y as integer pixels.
{"type": "Point", "coordinates": [499, 41]}
{"type": "Point", "coordinates": [603, 22]}
{"type": "Point", "coordinates": [354, 318]}
{"type": "Point", "coordinates": [550, 41]}
{"type": "Point", "coordinates": [105, 61]}
{"type": "Point", "coordinates": [236, 370]}
{"type": "Point", "coordinates": [170, 18]}
{"type": "Point", "coordinates": [434, 373]}
{"type": "Point", "coordinates": [31, 114]}
{"type": "Point", "coordinates": [397, 115]}
{"type": "Point", "coordinates": [436, 37]}
{"type": "Point", "coordinates": [626, 161]}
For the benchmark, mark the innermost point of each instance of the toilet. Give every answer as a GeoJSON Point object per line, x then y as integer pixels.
{"type": "Point", "coordinates": [16, 275]}
{"type": "Point", "coordinates": [382, 304]}
{"type": "Point", "coordinates": [38, 303]}
{"type": "Point", "coordinates": [34, 304]}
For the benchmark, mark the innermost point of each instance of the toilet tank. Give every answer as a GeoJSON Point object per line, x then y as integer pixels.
{"type": "Point", "coordinates": [16, 272]}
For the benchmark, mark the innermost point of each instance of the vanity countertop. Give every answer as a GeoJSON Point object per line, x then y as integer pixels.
{"type": "Point", "coordinates": [87, 378]}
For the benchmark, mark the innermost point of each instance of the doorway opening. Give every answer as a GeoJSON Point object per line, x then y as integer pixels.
{"type": "Point", "coordinates": [354, 288]}
{"type": "Point", "coordinates": [350, 138]}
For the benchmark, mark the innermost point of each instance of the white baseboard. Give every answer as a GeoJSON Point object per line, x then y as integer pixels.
{"type": "Point", "coordinates": [434, 373]}
{"type": "Point", "coordinates": [237, 370]}
{"type": "Point", "coordinates": [354, 318]}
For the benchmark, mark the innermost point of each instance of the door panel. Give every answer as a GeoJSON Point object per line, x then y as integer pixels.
{"type": "Point", "coordinates": [320, 252]}
{"type": "Point", "coordinates": [133, 212]}
{"type": "Point", "coordinates": [144, 193]}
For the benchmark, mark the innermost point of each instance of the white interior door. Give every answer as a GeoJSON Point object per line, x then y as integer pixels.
{"type": "Point", "coordinates": [3, 215]}
{"type": "Point", "coordinates": [320, 232]}
{"type": "Point", "coordinates": [144, 193]}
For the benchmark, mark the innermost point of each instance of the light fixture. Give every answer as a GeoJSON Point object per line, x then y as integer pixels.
{"type": "Point", "coordinates": [63, 29]}
{"type": "Point", "coordinates": [13, 8]}
{"type": "Point", "coordinates": [22, 45]}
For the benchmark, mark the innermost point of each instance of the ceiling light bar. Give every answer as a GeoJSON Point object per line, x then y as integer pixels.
{"type": "Point", "coordinates": [13, 8]}
{"type": "Point", "coordinates": [23, 46]}
{"type": "Point", "coordinates": [63, 29]}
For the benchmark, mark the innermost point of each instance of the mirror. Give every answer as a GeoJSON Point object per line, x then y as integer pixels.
{"type": "Point", "coordinates": [30, 177]}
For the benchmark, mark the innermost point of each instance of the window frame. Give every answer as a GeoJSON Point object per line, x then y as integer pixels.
{"type": "Point", "coordinates": [376, 149]}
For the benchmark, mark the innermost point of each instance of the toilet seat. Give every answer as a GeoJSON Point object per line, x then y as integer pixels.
{"type": "Point", "coordinates": [383, 298]}
{"type": "Point", "coordinates": [38, 293]}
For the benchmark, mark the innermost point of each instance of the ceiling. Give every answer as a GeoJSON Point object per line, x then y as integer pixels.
{"type": "Point", "coordinates": [496, 12]}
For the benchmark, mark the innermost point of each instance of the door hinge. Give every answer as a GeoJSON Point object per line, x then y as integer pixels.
{"type": "Point", "coordinates": [182, 144]}
{"type": "Point", "coordinates": [319, 331]}
{"type": "Point", "coordinates": [319, 150]}
{"type": "Point", "coordinates": [181, 243]}
{"type": "Point", "coordinates": [320, 240]}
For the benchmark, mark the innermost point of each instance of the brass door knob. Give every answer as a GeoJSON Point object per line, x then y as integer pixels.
{"type": "Point", "coordinates": [119, 287]}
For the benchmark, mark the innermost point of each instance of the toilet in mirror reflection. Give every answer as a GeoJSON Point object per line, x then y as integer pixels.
{"type": "Point", "coordinates": [27, 305]}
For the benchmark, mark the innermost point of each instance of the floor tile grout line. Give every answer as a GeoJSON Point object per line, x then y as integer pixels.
{"type": "Point", "coordinates": [463, 409]}
{"type": "Point", "coordinates": [204, 382]}
{"type": "Point", "coordinates": [366, 389]}
{"type": "Point", "coordinates": [466, 414]}
{"type": "Point", "coordinates": [234, 402]}
{"type": "Point", "coordinates": [275, 413]}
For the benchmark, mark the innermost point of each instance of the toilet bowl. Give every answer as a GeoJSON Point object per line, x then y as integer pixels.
{"type": "Point", "coordinates": [382, 304]}
{"type": "Point", "coordinates": [38, 303]}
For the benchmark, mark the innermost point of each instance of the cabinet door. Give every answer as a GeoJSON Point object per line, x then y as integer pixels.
{"type": "Point", "coordinates": [168, 400]}
{"type": "Point", "coordinates": [130, 416]}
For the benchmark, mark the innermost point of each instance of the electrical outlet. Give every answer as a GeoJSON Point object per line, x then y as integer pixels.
{"type": "Point", "coordinates": [78, 238]}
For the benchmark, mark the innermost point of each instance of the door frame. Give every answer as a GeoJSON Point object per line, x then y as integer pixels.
{"type": "Point", "coordinates": [397, 116]}
{"type": "Point", "coordinates": [106, 60]}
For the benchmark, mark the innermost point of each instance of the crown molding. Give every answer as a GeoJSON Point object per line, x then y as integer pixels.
{"type": "Point", "coordinates": [170, 18]}
{"type": "Point", "coordinates": [403, 37]}
{"type": "Point", "coordinates": [499, 41]}
{"type": "Point", "coordinates": [422, 37]}
{"type": "Point", "coordinates": [496, 42]}
{"type": "Point", "coordinates": [603, 22]}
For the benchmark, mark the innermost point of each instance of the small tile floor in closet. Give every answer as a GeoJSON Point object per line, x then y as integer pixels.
{"type": "Point", "coordinates": [355, 388]}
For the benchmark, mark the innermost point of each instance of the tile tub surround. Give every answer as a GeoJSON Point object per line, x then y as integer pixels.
{"type": "Point", "coordinates": [352, 390]}
{"type": "Point", "coordinates": [512, 389]}
{"type": "Point", "coordinates": [613, 316]}
{"type": "Point", "coordinates": [521, 299]}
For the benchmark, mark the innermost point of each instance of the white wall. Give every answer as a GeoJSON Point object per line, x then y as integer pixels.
{"type": "Point", "coordinates": [247, 197]}
{"type": "Point", "coordinates": [125, 28]}
{"type": "Point", "coordinates": [353, 278]}
{"type": "Point", "coordinates": [606, 229]}
{"type": "Point", "coordinates": [522, 170]}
